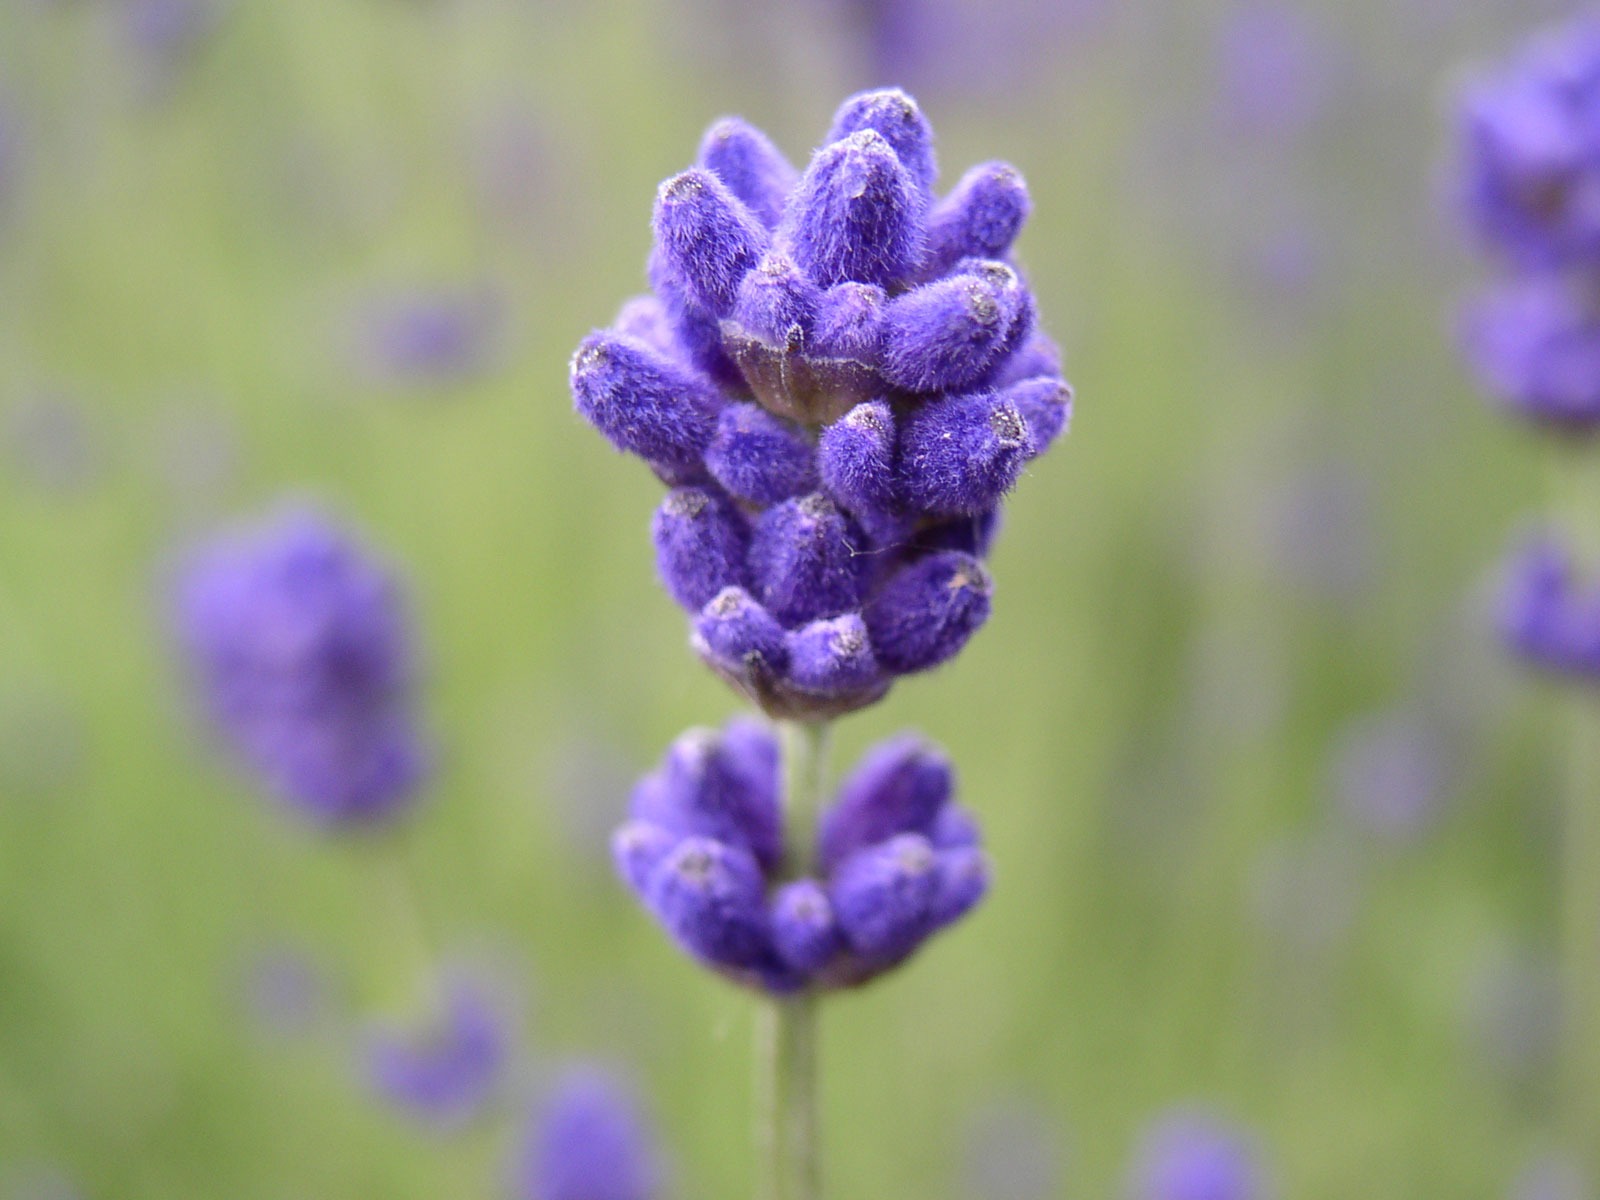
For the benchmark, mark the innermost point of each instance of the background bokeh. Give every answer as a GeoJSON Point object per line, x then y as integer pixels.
{"type": "Point", "coordinates": [1273, 822]}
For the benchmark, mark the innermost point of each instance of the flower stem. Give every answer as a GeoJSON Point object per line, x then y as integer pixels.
{"type": "Point", "coordinates": [786, 1027]}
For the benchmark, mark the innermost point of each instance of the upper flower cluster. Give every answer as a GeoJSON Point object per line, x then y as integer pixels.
{"type": "Point", "coordinates": [704, 848]}
{"type": "Point", "coordinates": [839, 377]}
{"type": "Point", "coordinates": [300, 643]}
{"type": "Point", "coordinates": [1530, 180]}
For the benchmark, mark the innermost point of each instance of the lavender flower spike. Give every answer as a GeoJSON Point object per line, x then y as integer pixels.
{"type": "Point", "coordinates": [300, 646]}
{"type": "Point", "coordinates": [841, 375]}
{"type": "Point", "coordinates": [446, 1074]}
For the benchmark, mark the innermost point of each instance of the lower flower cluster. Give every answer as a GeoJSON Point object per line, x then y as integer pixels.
{"type": "Point", "coordinates": [1548, 615]}
{"type": "Point", "coordinates": [895, 860]}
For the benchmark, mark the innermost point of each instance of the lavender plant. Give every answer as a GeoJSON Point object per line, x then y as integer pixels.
{"type": "Point", "coordinates": [838, 377]}
{"type": "Point", "coordinates": [1529, 171]}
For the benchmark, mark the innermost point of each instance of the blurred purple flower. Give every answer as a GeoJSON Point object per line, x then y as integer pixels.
{"type": "Point", "coordinates": [447, 1072]}
{"type": "Point", "coordinates": [163, 36]}
{"type": "Point", "coordinates": [1534, 343]}
{"type": "Point", "coordinates": [1391, 772]}
{"type": "Point", "coordinates": [1548, 615]}
{"type": "Point", "coordinates": [430, 337]}
{"type": "Point", "coordinates": [1276, 70]}
{"type": "Point", "coordinates": [300, 645]}
{"type": "Point", "coordinates": [1191, 1155]}
{"type": "Point", "coordinates": [589, 1141]}
{"type": "Point", "coordinates": [1013, 1152]}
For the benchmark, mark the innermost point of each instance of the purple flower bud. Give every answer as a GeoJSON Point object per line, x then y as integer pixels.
{"type": "Point", "coordinates": [926, 613]}
{"type": "Point", "coordinates": [833, 657]}
{"type": "Point", "coordinates": [894, 115]}
{"type": "Point", "coordinates": [804, 933]}
{"type": "Point", "coordinates": [947, 334]}
{"type": "Point", "coordinates": [806, 560]}
{"type": "Point", "coordinates": [962, 453]}
{"type": "Point", "coordinates": [737, 636]}
{"type": "Point", "coordinates": [638, 847]}
{"type": "Point", "coordinates": [963, 883]}
{"type": "Point", "coordinates": [445, 1075]}
{"type": "Point", "coordinates": [857, 214]}
{"type": "Point", "coordinates": [645, 318]}
{"type": "Point", "coordinates": [759, 457]}
{"type": "Point", "coordinates": [900, 786]}
{"type": "Point", "coordinates": [884, 897]}
{"type": "Point", "coordinates": [719, 788]}
{"type": "Point", "coordinates": [711, 898]}
{"type": "Point", "coordinates": [299, 642]}
{"type": "Point", "coordinates": [1037, 356]}
{"type": "Point", "coordinates": [644, 402]}
{"type": "Point", "coordinates": [777, 303]}
{"type": "Point", "coordinates": [753, 168]}
{"type": "Point", "coordinates": [972, 535]}
{"type": "Point", "coordinates": [707, 238]}
{"type": "Point", "coordinates": [1046, 405]}
{"type": "Point", "coordinates": [855, 457]}
{"type": "Point", "coordinates": [697, 333]}
{"type": "Point", "coordinates": [590, 1141]}
{"type": "Point", "coordinates": [980, 218]}
{"type": "Point", "coordinates": [953, 828]}
{"type": "Point", "coordinates": [701, 540]}
{"type": "Point", "coordinates": [1535, 344]}
{"type": "Point", "coordinates": [1192, 1156]}
{"type": "Point", "coordinates": [849, 323]}
{"type": "Point", "coordinates": [1547, 615]}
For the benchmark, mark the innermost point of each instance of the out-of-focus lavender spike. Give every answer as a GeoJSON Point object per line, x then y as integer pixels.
{"type": "Point", "coordinates": [1189, 1154]}
{"type": "Point", "coordinates": [448, 1072]}
{"type": "Point", "coordinates": [805, 935]}
{"type": "Point", "coordinates": [711, 897]}
{"type": "Point", "coordinates": [589, 1140]}
{"type": "Point", "coordinates": [429, 338]}
{"type": "Point", "coordinates": [1390, 774]}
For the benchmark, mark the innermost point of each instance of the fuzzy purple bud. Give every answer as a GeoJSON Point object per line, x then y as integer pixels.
{"type": "Point", "coordinates": [738, 636]}
{"type": "Point", "coordinates": [590, 1141]}
{"type": "Point", "coordinates": [707, 238]}
{"type": "Point", "coordinates": [900, 786]}
{"type": "Point", "coordinates": [759, 457]}
{"type": "Point", "coordinates": [777, 303]}
{"type": "Point", "coordinates": [1038, 356]}
{"type": "Point", "coordinates": [855, 457]}
{"type": "Point", "coordinates": [884, 897]}
{"type": "Point", "coordinates": [949, 333]}
{"type": "Point", "coordinates": [980, 218]}
{"type": "Point", "coordinates": [749, 164]}
{"type": "Point", "coordinates": [645, 318]}
{"type": "Point", "coordinates": [833, 657]}
{"type": "Point", "coordinates": [894, 115]}
{"type": "Point", "coordinates": [806, 560]}
{"type": "Point", "coordinates": [960, 454]}
{"type": "Point", "coordinates": [644, 402]}
{"type": "Point", "coordinates": [701, 540]}
{"type": "Point", "coordinates": [849, 323]}
{"type": "Point", "coordinates": [928, 611]}
{"type": "Point", "coordinates": [963, 883]}
{"type": "Point", "coordinates": [638, 847]}
{"type": "Point", "coordinates": [711, 898]}
{"type": "Point", "coordinates": [857, 214]}
{"type": "Point", "coordinates": [448, 1073]}
{"type": "Point", "coordinates": [1046, 405]}
{"type": "Point", "coordinates": [717, 787]}
{"type": "Point", "coordinates": [804, 934]}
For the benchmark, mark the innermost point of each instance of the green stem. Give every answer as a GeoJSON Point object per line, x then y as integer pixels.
{"type": "Point", "coordinates": [786, 1027]}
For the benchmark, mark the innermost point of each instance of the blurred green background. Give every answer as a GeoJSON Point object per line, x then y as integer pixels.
{"type": "Point", "coordinates": [1261, 551]}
